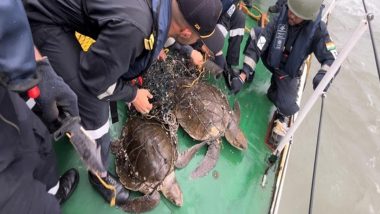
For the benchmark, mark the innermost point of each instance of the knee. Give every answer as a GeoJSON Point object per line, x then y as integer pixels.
{"type": "Point", "coordinates": [287, 109]}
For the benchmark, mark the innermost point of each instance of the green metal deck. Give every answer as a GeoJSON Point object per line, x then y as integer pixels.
{"type": "Point", "coordinates": [233, 186]}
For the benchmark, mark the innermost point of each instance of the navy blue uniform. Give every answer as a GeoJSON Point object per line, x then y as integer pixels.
{"type": "Point", "coordinates": [283, 49]}
{"type": "Point", "coordinates": [27, 160]}
{"type": "Point", "coordinates": [232, 22]}
{"type": "Point", "coordinates": [101, 74]}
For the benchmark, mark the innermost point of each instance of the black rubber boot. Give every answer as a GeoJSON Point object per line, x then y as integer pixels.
{"type": "Point", "coordinates": [110, 188]}
{"type": "Point", "coordinates": [68, 182]}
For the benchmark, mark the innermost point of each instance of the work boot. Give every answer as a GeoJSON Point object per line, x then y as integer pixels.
{"type": "Point", "coordinates": [274, 9]}
{"type": "Point", "coordinates": [68, 182]}
{"type": "Point", "coordinates": [279, 130]}
{"type": "Point", "coordinates": [110, 188]}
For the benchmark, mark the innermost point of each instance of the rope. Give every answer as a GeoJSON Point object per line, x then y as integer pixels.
{"type": "Point", "coordinates": [252, 15]}
{"type": "Point", "coordinates": [369, 19]}
{"type": "Point", "coordinates": [316, 155]}
{"type": "Point", "coordinates": [110, 187]}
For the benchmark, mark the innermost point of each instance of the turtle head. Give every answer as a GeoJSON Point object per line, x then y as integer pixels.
{"type": "Point", "coordinates": [171, 190]}
{"type": "Point", "coordinates": [233, 133]}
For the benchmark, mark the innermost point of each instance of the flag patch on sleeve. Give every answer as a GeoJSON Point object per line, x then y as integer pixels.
{"type": "Point", "coordinates": [330, 46]}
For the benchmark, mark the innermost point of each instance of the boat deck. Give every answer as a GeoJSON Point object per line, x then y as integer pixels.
{"type": "Point", "coordinates": [233, 186]}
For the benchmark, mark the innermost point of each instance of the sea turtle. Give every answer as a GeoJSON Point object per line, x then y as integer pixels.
{"type": "Point", "coordinates": [204, 113]}
{"type": "Point", "coordinates": [145, 158]}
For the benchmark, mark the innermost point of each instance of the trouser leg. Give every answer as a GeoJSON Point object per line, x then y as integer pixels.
{"type": "Point", "coordinates": [27, 160]}
{"type": "Point", "coordinates": [236, 37]}
{"type": "Point", "coordinates": [283, 94]}
{"type": "Point", "coordinates": [46, 171]}
{"type": "Point", "coordinates": [63, 50]}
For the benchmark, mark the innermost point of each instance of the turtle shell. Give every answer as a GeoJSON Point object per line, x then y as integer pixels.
{"type": "Point", "coordinates": [203, 111]}
{"type": "Point", "coordinates": [146, 155]}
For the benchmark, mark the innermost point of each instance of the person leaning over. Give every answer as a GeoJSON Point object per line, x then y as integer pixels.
{"type": "Point", "coordinates": [129, 36]}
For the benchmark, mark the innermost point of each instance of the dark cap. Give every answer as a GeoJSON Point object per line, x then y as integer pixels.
{"type": "Point", "coordinates": [203, 16]}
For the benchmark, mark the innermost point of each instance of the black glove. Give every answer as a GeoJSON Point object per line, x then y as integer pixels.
{"type": "Point", "coordinates": [55, 94]}
{"type": "Point", "coordinates": [233, 80]}
{"type": "Point", "coordinates": [236, 83]}
{"type": "Point", "coordinates": [318, 78]}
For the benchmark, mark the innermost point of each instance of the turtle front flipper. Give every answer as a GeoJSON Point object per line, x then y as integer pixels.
{"type": "Point", "coordinates": [185, 157]}
{"type": "Point", "coordinates": [142, 204]}
{"type": "Point", "coordinates": [171, 189]}
{"type": "Point", "coordinates": [233, 133]}
{"type": "Point", "coordinates": [209, 161]}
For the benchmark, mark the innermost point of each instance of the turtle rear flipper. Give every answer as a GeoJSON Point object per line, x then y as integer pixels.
{"type": "Point", "coordinates": [209, 161]}
{"type": "Point", "coordinates": [185, 157]}
{"type": "Point", "coordinates": [142, 204]}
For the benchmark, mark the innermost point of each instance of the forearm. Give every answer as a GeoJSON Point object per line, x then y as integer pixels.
{"type": "Point", "coordinates": [119, 91]}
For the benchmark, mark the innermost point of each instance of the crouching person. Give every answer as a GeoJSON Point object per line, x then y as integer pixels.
{"type": "Point", "coordinates": [283, 46]}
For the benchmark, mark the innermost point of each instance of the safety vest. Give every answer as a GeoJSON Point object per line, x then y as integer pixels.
{"type": "Point", "coordinates": [161, 12]}
{"type": "Point", "coordinates": [299, 50]}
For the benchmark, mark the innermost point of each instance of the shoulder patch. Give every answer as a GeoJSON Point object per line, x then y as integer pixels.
{"type": "Point", "coordinates": [261, 42]}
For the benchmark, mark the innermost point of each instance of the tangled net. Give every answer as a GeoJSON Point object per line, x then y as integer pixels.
{"type": "Point", "coordinates": [162, 81]}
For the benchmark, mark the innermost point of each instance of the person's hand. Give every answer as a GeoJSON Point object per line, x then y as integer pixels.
{"type": "Point", "coordinates": [162, 55]}
{"type": "Point", "coordinates": [141, 102]}
{"type": "Point", "coordinates": [318, 78]}
{"type": "Point", "coordinates": [197, 58]}
{"type": "Point", "coordinates": [55, 94]}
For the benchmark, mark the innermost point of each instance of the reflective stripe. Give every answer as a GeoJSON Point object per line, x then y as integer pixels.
{"type": "Point", "coordinates": [98, 133]}
{"type": "Point", "coordinates": [250, 62]}
{"type": "Point", "coordinates": [223, 30]}
{"type": "Point", "coordinates": [219, 53]}
{"type": "Point", "coordinates": [237, 32]}
{"type": "Point", "coordinates": [169, 42]}
{"type": "Point", "coordinates": [325, 67]}
{"type": "Point", "coordinates": [30, 103]}
{"type": "Point", "coordinates": [108, 92]}
{"type": "Point", "coordinates": [54, 189]}
{"type": "Point", "coordinates": [252, 33]}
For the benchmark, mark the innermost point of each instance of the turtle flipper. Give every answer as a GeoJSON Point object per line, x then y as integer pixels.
{"type": "Point", "coordinates": [142, 204]}
{"type": "Point", "coordinates": [185, 157]}
{"type": "Point", "coordinates": [209, 161]}
{"type": "Point", "coordinates": [233, 133]}
{"type": "Point", "coordinates": [171, 189]}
